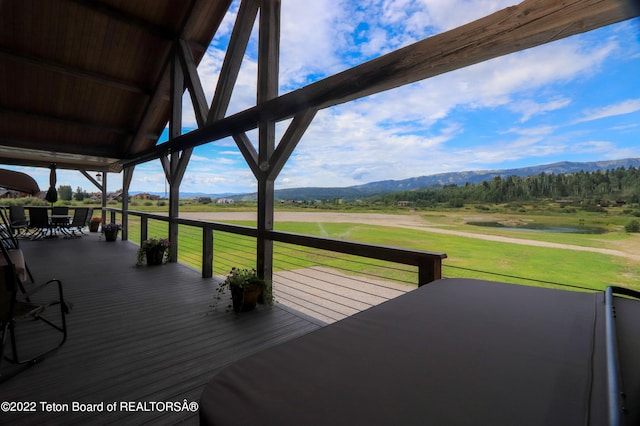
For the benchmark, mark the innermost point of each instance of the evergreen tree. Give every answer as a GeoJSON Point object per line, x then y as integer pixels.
{"type": "Point", "coordinates": [64, 192]}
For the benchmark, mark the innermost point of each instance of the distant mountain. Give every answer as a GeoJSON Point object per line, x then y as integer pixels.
{"type": "Point", "coordinates": [461, 178]}
{"type": "Point", "coordinates": [453, 178]}
{"type": "Point", "coordinates": [189, 194]}
{"type": "Point", "coordinates": [457, 178]}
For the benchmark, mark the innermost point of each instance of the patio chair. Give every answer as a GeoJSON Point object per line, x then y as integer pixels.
{"type": "Point", "coordinates": [39, 222]}
{"type": "Point", "coordinates": [18, 307]}
{"type": "Point", "coordinates": [10, 241]}
{"type": "Point", "coordinates": [59, 217]}
{"type": "Point", "coordinates": [18, 221]}
{"type": "Point", "coordinates": [79, 221]}
{"type": "Point", "coordinates": [89, 215]}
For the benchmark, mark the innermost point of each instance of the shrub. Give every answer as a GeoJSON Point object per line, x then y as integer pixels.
{"type": "Point", "coordinates": [632, 226]}
{"type": "Point", "coordinates": [456, 203]}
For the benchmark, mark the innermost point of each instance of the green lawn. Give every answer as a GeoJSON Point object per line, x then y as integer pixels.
{"type": "Point", "coordinates": [467, 257]}
{"type": "Point", "coordinates": [576, 268]}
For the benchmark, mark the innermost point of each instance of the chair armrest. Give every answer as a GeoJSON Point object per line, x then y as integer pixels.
{"type": "Point", "coordinates": [37, 288]}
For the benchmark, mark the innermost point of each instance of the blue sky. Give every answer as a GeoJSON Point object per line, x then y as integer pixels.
{"type": "Point", "coordinates": [577, 99]}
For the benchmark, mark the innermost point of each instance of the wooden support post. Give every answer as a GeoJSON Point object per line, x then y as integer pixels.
{"type": "Point", "coordinates": [207, 252]}
{"type": "Point", "coordinates": [175, 130]}
{"type": "Point", "coordinates": [268, 68]}
{"type": "Point", "coordinates": [429, 270]}
{"type": "Point", "coordinates": [144, 228]}
{"type": "Point", "coordinates": [104, 197]}
{"type": "Point", "coordinates": [126, 182]}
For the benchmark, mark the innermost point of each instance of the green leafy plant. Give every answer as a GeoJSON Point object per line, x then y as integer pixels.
{"type": "Point", "coordinates": [109, 227]}
{"type": "Point", "coordinates": [239, 279]}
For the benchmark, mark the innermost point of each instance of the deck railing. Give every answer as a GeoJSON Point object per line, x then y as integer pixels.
{"type": "Point", "coordinates": [144, 225]}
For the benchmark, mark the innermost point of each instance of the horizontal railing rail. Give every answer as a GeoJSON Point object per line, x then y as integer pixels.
{"type": "Point", "coordinates": [429, 263]}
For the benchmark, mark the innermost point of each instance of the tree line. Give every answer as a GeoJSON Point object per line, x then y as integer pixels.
{"type": "Point", "coordinates": [597, 187]}
{"type": "Point", "coordinates": [65, 193]}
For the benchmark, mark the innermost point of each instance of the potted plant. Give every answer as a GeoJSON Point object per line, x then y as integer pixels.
{"type": "Point", "coordinates": [94, 224]}
{"type": "Point", "coordinates": [154, 250]}
{"type": "Point", "coordinates": [110, 231]}
{"type": "Point", "coordinates": [247, 289]}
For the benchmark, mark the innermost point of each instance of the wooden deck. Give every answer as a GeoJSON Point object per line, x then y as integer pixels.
{"type": "Point", "coordinates": [136, 335]}
{"type": "Point", "coordinates": [329, 295]}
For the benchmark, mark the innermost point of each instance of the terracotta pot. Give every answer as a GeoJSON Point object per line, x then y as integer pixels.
{"type": "Point", "coordinates": [93, 226]}
{"type": "Point", "coordinates": [245, 298]}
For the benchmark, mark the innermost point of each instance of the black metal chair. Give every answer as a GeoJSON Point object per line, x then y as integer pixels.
{"type": "Point", "coordinates": [10, 241]}
{"type": "Point", "coordinates": [18, 221]}
{"type": "Point", "coordinates": [18, 306]}
{"type": "Point", "coordinates": [39, 222]}
{"type": "Point", "coordinates": [79, 221]}
{"type": "Point", "coordinates": [59, 218]}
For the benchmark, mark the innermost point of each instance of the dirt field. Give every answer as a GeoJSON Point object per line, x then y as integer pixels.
{"type": "Point", "coordinates": [416, 222]}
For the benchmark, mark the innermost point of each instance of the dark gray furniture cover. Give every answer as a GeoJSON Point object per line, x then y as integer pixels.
{"type": "Point", "coordinates": [454, 352]}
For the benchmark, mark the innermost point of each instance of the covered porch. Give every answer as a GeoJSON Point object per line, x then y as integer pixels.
{"type": "Point", "coordinates": [143, 335]}
{"type": "Point", "coordinates": [136, 334]}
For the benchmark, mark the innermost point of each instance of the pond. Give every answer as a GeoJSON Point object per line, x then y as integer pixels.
{"type": "Point", "coordinates": [542, 227]}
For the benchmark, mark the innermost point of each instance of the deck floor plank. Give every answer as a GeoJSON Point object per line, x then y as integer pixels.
{"type": "Point", "coordinates": [136, 334]}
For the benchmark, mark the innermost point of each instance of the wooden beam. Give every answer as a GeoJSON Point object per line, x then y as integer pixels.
{"type": "Point", "coordinates": [92, 180]}
{"type": "Point", "coordinates": [531, 23]}
{"type": "Point", "coordinates": [268, 65]}
{"type": "Point", "coordinates": [103, 198]}
{"type": "Point", "coordinates": [177, 89]}
{"type": "Point", "coordinates": [289, 141]}
{"type": "Point", "coordinates": [159, 94]}
{"type": "Point", "coordinates": [166, 167]}
{"type": "Point", "coordinates": [248, 151]}
{"type": "Point", "coordinates": [127, 176]}
{"type": "Point", "coordinates": [268, 50]}
{"type": "Point", "coordinates": [193, 83]}
{"type": "Point", "coordinates": [233, 59]}
{"type": "Point", "coordinates": [181, 167]}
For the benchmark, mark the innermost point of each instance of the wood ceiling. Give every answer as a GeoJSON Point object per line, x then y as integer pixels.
{"type": "Point", "coordinates": [86, 83]}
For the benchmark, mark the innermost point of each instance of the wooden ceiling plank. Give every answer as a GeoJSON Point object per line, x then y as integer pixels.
{"type": "Point", "coordinates": [67, 121]}
{"type": "Point", "coordinates": [62, 68]}
{"type": "Point", "coordinates": [87, 150]}
{"type": "Point", "coordinates": [122, 16]}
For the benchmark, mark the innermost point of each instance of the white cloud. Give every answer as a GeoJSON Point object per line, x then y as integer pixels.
{"type": "Point", "coordinates": [423, 128]}
{"type": "Point", "coordinates": [529, 108]}
{"type": "Point", "coordinates": [410, 131]}
{"type": "Point", "coordinates": [625, 107]}
{"type": "Point", "coordinates": [449, 14]}
{"type": "Point", "coordinates": [308, 44]}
